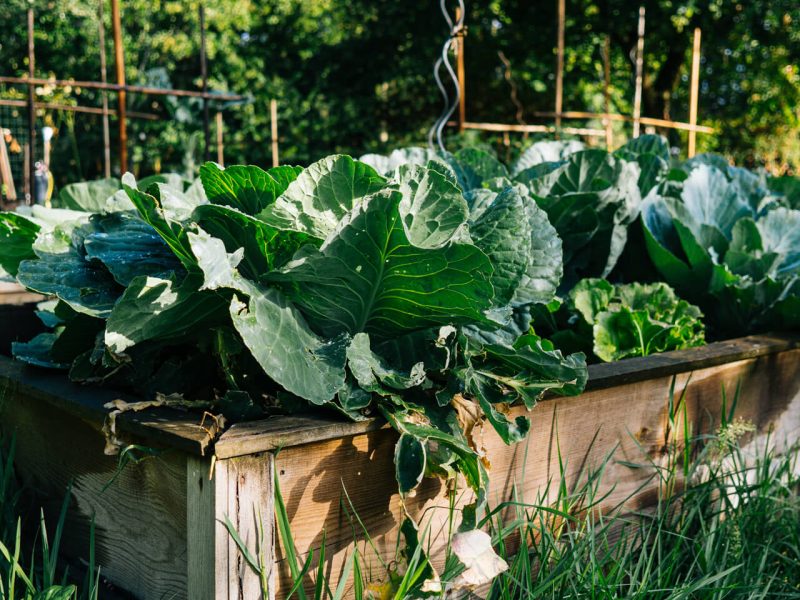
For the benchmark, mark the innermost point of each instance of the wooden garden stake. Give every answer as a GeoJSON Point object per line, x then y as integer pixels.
{"type": "Point", "coordinates": [461, 74]}
{"type": "Point", "coordinates": [607, 91]}
{"type": "Point", "coordinates": [637, 98]}
{"type": "Point", "coordinates": [119, 63]}
{"type": "Point", "coordinates": [273, 120]}
{"type": "Point", "coordinates": [31, 164]}
{"type": "Point", "coordinates": [562, 15]}
{"type": "Point", "coordinates": [204, 76]}
{"type": "Point", "coordinates": [104, 95]}
{"type": "Point", "coordinates": [6, 176]}
{"type": "Point", "coordinates": [220, 145]}
{"type": "Point", "coordinates": [693, 93]}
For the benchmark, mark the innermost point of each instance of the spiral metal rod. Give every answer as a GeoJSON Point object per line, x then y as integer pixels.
{"type": "Point", "coordinates": [435, 133]}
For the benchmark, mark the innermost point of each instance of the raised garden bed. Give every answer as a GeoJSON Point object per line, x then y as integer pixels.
{"type": "Point", "coordinates": [158, 532]}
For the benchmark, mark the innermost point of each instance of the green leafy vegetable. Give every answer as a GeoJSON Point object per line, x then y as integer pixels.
{"type": "Point", "coordinates": [635, 319]}
{"type": "Point", "coordinates": [716, 241]}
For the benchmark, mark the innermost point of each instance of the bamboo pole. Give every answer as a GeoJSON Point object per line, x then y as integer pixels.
{"type": "Point", "coordinates": [516, 128]}
{"type": "Point", "coordinates": [637, 97]}
{"type": "Point", "coordinates": [204, 76]}
{"type": "Point", "coordinates": [119, 62]}
{"type": "Point", "coordinates": [6, 176]}
{"type": "Point", "coordinates": [30, 189]}
{"type": "Point", "coordinates": [220, 147]}
{"type": "Point", "coordinates": [133, 89]}
{"type": "Point", "coordinates": [575, 114]}
{"type": "Point", "coordinates": [79, 109]}
{"type": "Point", "coordinates": [607, 91]}
{"type": "Point", "coordinates": [562, 16]}
{"type": "Point", "coordinates": [461, 73]}
{"type": "Point", "coordinates": [273, 120]}
{"type": "Point", "coordinates": [103, 75]}
{"type": "Point", "coordinates": [26, 169]}
{"type": "Point", "coordinates": [694, 92]}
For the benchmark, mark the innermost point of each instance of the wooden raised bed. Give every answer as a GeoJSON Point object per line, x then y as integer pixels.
{"type": "Point", "coordinates": [157, 526]}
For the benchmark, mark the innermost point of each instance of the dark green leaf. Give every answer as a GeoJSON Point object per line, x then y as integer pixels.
{"type": "Point", "coordinates": [409, 462]}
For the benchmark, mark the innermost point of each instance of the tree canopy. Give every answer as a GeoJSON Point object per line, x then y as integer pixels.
{"type": "Point", "coordinates": [357, 76]}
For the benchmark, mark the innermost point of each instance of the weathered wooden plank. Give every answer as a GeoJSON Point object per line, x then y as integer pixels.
{"type": "Point", "coordinates": [630, 370]}
{"type": "Point", "coordinates": [201, 530]}
{"type": "Point", "coordinates": [245, 496]}
{"type": "Point", "coordinates": [279, 432]}
{"type": "Point", "coordinates": [139, 512]}
{"type": "Point", "coordinates": [180, 430]}
{"type": "Point", "coordinates": [627, 422]}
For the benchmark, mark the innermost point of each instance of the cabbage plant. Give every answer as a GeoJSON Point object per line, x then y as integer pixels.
{"type": "Point", "coordinates": [329, 288]}
{"type": "Point", "coordinates": [725, 242]}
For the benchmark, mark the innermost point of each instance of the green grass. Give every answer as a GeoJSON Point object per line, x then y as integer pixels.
{"type": "Point", "coordinates": [732, 532]}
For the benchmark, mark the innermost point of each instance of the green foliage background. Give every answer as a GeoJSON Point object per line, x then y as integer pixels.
{"type": "Point", "coordinates": [355, 76]}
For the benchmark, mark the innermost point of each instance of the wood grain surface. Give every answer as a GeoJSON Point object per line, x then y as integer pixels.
{"type": "Point", "coordinates": [14, 293]}
{"type": "Point", "coordinates": [140, 516]}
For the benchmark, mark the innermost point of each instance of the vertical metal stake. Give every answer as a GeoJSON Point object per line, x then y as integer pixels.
{"type": "Point", "coordinates": [562, 17]}
{"type": "Point", "coordinates": [637, 97]}
{"type": "Point", "coordinates": [104, 93]}
{"type": "Point", "coordinates": [30, 188]}
{"type": "Point", "coordinates": [694, 93]}
{"type": "Point", "coordinates": [204, 75]}
{"type": "Point", "coordinates": [119, 62]}
{"type": "Point", "coordinates": [273, 119]}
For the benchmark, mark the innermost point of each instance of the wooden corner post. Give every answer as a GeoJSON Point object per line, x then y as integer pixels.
{"type": "Point", "coordinates": [694, 93]}
{"type": "Point", "coordinates": [239, 491]}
